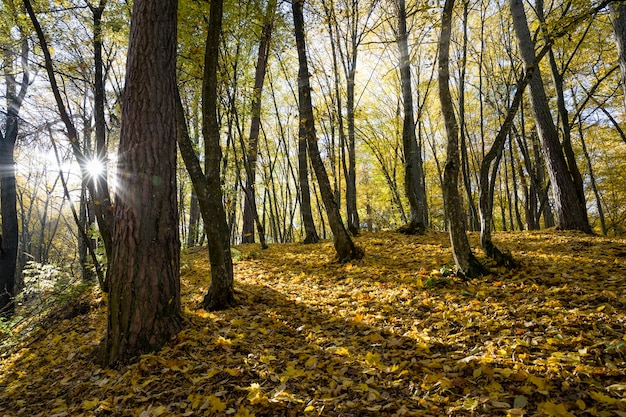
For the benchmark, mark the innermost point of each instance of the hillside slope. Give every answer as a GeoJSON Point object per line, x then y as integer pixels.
{"type": "Point", "coordinates": [389, 335]}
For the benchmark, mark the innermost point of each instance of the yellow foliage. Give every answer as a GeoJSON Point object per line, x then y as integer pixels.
{"type": "Point", "coordinates": [309, 336]}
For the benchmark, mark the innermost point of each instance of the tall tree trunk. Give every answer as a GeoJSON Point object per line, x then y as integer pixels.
{"type": "Point", "coordinates": [250, 154]}
{"type": "Point", "coordinates": [208, 186]}
{"type": "Point", "coordinates": [465, 168]}
{"type": "Point", "coordinates": [413, 169]}
{"type": "Point", "coordinates": [557, 78]}
{"type": "Point", "coordinates": [352, 213]}
{"type": "Point", "coordinates": [9, 238]}
{"type": "Point", "coordinates": [570, 210]}
{"type": "Point", "coordinates": [466, 263]}
{"type": "Point", "coordinates": [99, 187]}
{"type": "Point", "coordinates": [345, 248]}
{"type": "Point", "coordinates": [144, 301]}
{"type": "Point", "coordinates": [618, 17]}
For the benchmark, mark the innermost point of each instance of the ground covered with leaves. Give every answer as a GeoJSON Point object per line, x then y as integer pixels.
{"type": "Point", "coordinates": [393, 334]}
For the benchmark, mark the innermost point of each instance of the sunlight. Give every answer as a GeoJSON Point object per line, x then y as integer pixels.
{"type": "Point", "coordinates": [95, 167]}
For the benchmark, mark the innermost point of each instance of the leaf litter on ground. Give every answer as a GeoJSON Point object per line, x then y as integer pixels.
{"type": "Point", "coordinates": [391, 334]}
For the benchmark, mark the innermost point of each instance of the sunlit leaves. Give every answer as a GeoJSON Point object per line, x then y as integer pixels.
{"type": "Point", "coordinates": [312, 336]}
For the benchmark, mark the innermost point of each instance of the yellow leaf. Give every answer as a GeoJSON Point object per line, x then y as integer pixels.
{"type": "Point", "coordinates": [598, 396]}
{"type": "Point", "coordinates": [216, 405]}
{"type": "Point", "coordinates": [341, 351]}
{"type": "Point", "coordinates": [195, 400]}
{"type": "Point", "coordinates": [373, 359]}
{"type": "Point", "coordinates": [309, 408]}
{"type": "Point", "coordinates": [540, 383]}
{"type": "Point", "coordinates": [90, 405]}
{"type": "Point", "coordinates": [232, 372]}
{"type": "Point", "coordinates": [552, 409]}
{"type": "Point", "coordinates": [581, 404]}
{"type": "Point", "coordinates": [311, 362]}
{"type": "Point", "coordinates": [157, 411]}
{"type": "Point", "coordinates": [256, 395]}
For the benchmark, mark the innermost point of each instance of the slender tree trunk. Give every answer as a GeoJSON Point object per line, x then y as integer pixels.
{"type": "Point", "coordinates": [144, 301]}
{"type": "Point", "coordinates": [194, 220]}
{"type": "Point", "coordinates": [99, 185]}
{"type": "Point", "coordinates": [487, 181]}
{"type": "Point", "coordinates": [345, 248]}
{"type": "Point", "coordinates": [208, 185]}
{"type": "Point", "coordinates": [250, 154]}
{"type": "Point", "coordinates": [465, 169]}
{"type": "Point", "coordinates": [310, 232]}
{"type": "Point", "coordinates": [570, 210]}
{"type": "Point", "coordinates": [413, 169]}
{"type": "Point", "coordinates": [467, 264]}
{"type": "Point", "coordinates": [592, 179]}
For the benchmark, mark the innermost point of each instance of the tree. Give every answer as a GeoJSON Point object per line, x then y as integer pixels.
{"type": "Point", "coordinates": [250, 213]}
{"type": "Point", "coordinates": [570, 210]}
{"type": "Point", "coordinates": [415, 188]}
{"type": "Point", "coordinates": [10, 51]}
{"type": "Point", "coordinates": [467, 264]}
{"type": "Point", "coordinates": [103, 215]}
{"type": "Point", "coordinates": [207, 185]}
{"type": "Point", "coordinates": [144, 301]}
{"type": "Point", "coordinates": [618, 17]}
{"type": "Point", "coordinates": [344, 246]}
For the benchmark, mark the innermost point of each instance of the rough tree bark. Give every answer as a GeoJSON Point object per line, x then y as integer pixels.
{"type": "Point", "coordinates": [467, 264]}
{"type": "Point", "coordinates": [344, 246]}
{"type": "Point", "coordinates": [144, 301]}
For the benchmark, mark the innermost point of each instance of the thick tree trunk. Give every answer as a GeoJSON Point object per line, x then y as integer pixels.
{"type": "Point", "coordinates": [413, 169]}
{"type": "Point", "coordinates": [345, 248]}
{"type": "Point", "coordinates": [466, 263]}
{"type": "Point", "coordinates": [144, 301]}
{"type": "Point", "coordinates": [570, 210]}
{"type": "Point", "coordinates": [250, 212]}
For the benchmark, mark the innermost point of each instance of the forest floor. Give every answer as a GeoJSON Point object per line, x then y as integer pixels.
{"type": "Point", "coordinates": [388, 335]}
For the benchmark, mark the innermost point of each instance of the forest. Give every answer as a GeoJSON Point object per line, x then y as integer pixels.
{"type": "Point", "coordinates": [330, 207]}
